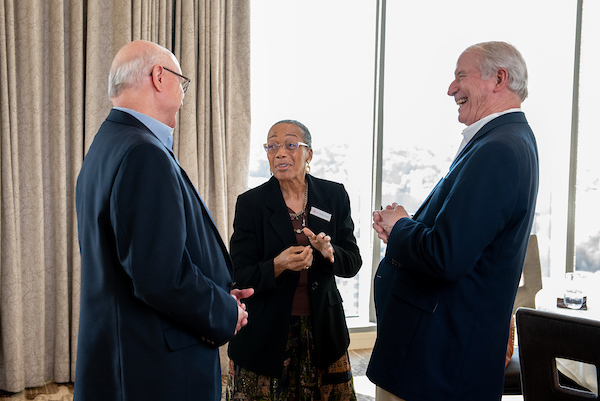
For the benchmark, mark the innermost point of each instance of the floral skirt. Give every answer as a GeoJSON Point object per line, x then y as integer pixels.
{"type": "Point", "coordinates": [300, 379]}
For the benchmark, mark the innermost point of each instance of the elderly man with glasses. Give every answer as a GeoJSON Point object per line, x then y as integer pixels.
{"type": "Point", "coordinates": [155, 275]}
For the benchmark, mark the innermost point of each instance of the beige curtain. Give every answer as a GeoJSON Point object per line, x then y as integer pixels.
{"type": "Point", "coordinates": [54, 62]}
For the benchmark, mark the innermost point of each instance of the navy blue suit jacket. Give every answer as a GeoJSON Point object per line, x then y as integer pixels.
{"type": "Point", "coordinates": [155, 275]}
{"type": "Point", "coordinates": [445, 289]}
{"type": "Point", "coordinates": [262, 230]}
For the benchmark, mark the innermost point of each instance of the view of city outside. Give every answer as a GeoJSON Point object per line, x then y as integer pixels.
{"type": "Point", "coordinates": [314, 61]}
{"type": "Point", "coordinates": [420, 119]}
{"type": "Point", "coordinates": [587, 222]}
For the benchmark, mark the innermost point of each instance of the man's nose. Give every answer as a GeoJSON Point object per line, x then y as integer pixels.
{"type": "Point", "coordinates": [452, 89]}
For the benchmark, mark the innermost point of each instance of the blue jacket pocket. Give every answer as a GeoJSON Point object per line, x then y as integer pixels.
{"type": "Point", "coordinates": [177, 339]}
{"type": "Point", "coordinates": [411, 294]}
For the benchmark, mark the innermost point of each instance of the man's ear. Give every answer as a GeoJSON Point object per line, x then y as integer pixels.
{"type": "Point", "coordinates": [501, 79]}
{"type": "Point", "coordinates": [157, 76]}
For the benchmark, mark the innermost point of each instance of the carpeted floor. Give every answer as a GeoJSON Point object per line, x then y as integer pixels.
{"type": "Point", "coordinates": [64, 392]}
{"type": "Point", "coordinates": [48, 392]}
{"type": "Point", "coordinates": [359, 360]}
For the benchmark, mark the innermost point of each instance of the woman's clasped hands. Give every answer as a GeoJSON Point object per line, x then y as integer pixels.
{"type": "Point", "coordinates": [297, 258]}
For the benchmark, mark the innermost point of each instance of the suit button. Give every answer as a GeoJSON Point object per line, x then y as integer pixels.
{"type": "Point", "coordinates": [314, 286]}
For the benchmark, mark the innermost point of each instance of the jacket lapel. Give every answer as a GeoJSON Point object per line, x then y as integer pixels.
{"type": "Point", "coordinates": [496, 122]}
{"type": "Point", "coordinates": [503, 119]}
{"type": "Point", "coordinates": [278, 215]}
{"type": "Point", "coordinates": [121, 117]}
{"type": "Point", "coordinates": [208, 216]}
{"type": "Point", "coordinates": [426, 201]}
{"type": "Point", "coordinates": [318, 199]}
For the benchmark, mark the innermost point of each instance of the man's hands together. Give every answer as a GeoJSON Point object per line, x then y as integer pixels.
{"type": "Point", "coordinates": [385, 219]}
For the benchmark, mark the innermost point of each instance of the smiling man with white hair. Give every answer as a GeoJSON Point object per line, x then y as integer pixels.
{"type": "Point", "coordinates": [444, 291]}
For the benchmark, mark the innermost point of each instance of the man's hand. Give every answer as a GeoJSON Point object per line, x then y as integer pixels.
{"type": "Point", "coordinates": [384, 220]}
{"type": "Point", "coordinates": [238, 295]}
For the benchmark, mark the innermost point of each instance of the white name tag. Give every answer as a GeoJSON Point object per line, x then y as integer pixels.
{"type": "Point", "coordinates": [320, 214]}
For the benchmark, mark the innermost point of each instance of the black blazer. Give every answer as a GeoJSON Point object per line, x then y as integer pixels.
{"type": "Point", "coordinates": [155, 275]}
{"type": "Point", "coordinates": [262, 229]}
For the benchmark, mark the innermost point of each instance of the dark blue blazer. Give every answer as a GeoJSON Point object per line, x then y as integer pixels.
{"type": "Point", "coordinates": [444, 291]}
{"type": "Point", "coordinates": [155, 274]}
{"type": "Point", "coordinates": [262, 229]}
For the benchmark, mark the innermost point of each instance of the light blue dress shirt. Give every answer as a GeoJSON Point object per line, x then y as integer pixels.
{"type": "Point", "coordinates": [162, 131]}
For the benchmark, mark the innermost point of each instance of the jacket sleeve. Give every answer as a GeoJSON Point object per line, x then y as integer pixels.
{"type": "Point", "coordinates": [253, 266]}
{"type": "Point", "coordinates": [149, 221]}
{"type": "Point", "coordinates": [471, 207]}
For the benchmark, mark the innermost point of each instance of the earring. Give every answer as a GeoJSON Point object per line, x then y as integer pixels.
{"type": "Point", "coordinates": [307, 167]}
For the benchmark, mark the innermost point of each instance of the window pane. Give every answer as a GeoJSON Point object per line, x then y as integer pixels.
{"type": "Point", "coordinates": [421, 130]}
{"type": "Point", "coordinates": [312, 61]}
{"type": "Point", "coordinates": [587, 217]}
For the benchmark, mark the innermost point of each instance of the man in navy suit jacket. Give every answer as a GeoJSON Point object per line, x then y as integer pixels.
{"type": "Point", "coordinates": [444, 291]}
{"type": "Point", "coordinates": [156, 299]}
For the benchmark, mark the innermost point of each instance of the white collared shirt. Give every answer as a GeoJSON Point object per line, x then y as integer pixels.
{"type": "Point", "coordinates": [470, 131]}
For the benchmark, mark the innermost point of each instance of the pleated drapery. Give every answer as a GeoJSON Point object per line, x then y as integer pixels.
{"type": "Point", "coordinates": [55, 56]}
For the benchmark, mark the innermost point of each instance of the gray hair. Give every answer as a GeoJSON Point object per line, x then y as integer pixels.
{"type": "Point", "coordinates": [495, 55]}
{"type": "Point", "coordinates": [305, 131]}
{"type": "Point", "coordinates": [130, 73]}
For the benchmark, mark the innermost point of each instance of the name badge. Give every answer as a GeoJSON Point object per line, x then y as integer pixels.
{"type": "Point", "coordinates": [320, 214]}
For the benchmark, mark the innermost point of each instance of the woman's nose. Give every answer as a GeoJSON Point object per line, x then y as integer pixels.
{"type": "Point", "coordinates": [280, 149]}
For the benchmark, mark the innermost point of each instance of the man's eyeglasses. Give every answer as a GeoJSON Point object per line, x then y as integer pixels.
{"type": "Point", "coordinates": [289, 147]}
{"type": "Point", "coordinates": [185, 81]}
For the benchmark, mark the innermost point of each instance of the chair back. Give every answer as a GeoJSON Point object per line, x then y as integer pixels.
{"type": "Point", "coordinates": [545, 336]}
{"type": "Point", "coordinates": [531, 278]}
{"type": "Point", "coordinates": [531, 283]}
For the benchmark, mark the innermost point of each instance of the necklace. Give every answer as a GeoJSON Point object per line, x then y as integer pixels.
{"type": "Point", "coordinates": [296, 216]}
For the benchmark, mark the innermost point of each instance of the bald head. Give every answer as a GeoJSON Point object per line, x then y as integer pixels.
{"type": "Point", "coordinates": [143, 77]}
{"type": "Point", "coordinates": [133, 63]}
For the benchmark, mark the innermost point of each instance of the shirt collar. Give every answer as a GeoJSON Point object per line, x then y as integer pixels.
{"type": "Point", "coordinates": [162, 131]}
{"type": "Point", "coordinates": [471, 130]}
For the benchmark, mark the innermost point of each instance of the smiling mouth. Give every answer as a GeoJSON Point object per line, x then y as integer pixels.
{"type": "Point", "coordinates": [282, 165]}
{"type": "Point", "coordinates": [462, 101]}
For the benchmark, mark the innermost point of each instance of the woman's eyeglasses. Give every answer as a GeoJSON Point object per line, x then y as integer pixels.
{"type": "Point", "coordinates": [289, 147]}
